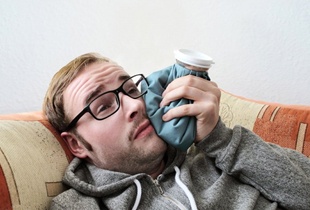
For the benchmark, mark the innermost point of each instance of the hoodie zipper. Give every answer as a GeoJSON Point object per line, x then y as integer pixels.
{"type": "Point", "coordinates": [167, 196]}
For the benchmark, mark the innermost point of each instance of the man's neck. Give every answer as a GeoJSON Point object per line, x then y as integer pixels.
{"type": "Point", "coordinates": [158, 170]}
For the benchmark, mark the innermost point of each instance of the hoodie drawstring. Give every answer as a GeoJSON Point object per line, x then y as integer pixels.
{"type": "Point", "coordinates": [139, 194]}
{"type": "Point", "coordinates": [178, 181]}
{"type": "Point", "coordinates": [185, 189]}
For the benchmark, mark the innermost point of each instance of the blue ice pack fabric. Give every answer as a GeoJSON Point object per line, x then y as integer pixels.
{"type": "Point", "coordinates": [178, 132]}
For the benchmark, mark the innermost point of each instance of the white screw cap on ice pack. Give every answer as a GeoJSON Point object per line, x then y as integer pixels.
{"type": "Point", "coordinates": [193, 58]}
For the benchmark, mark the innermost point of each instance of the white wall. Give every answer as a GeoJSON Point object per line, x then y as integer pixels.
{"type": "Point", "coordinates": [261, 47]}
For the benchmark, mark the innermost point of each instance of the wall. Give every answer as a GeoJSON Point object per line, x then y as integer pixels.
{"type": "Point", "coordinates": [261, 47]}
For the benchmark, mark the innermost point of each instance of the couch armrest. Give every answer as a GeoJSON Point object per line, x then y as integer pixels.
{"type": "Point", "coordinates": [33, 158]}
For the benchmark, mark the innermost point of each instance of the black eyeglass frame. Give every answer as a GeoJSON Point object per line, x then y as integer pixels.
{"type": "Point", "coordinates": [116, 92]}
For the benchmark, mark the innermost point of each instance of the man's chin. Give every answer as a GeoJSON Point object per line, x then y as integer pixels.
{"type": "Point", "coordinates": [162, 145]}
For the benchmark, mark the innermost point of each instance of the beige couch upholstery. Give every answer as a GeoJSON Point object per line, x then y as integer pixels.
{"type": "Point", "coordinates": [33, 156]}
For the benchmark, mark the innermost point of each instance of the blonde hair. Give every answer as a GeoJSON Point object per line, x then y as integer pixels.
{"type": "Point", "coordinates": [53, 104]}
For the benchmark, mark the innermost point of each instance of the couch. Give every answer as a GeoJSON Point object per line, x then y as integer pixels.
{"type": "Point", "coordinates": [33, 156]}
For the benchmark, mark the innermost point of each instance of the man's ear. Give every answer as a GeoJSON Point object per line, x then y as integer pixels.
{"type": "Point", "coordinates": [75, 146]}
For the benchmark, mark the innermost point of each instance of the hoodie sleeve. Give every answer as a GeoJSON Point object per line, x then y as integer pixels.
{"type": "Point", "coordinates": [280, 174]}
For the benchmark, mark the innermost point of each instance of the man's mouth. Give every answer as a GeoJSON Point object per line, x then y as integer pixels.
{"type": "Point", "coordinates": [144, 129]}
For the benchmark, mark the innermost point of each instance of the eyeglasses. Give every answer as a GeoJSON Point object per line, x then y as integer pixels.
{"type": "Point", "coordinates": [107, 103]}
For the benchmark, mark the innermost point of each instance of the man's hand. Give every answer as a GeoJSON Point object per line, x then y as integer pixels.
{"type": "Point", "coordinates": [205, 107]}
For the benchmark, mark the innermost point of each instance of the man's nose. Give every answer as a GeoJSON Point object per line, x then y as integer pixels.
{"type": "Point", "coordinates": [131, 107]}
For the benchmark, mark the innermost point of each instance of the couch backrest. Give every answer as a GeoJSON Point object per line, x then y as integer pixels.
{"type": "Point", "coordinates": [286, 125]}
{"type": "Point", "coordinates": [33, 158]}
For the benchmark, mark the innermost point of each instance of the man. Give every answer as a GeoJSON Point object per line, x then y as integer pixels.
{"type": "Point", "coordinates": [122, 164]}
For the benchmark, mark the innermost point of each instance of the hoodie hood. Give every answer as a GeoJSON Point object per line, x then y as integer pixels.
{"type": "Point", "coordinates": [81, 176]}
{"type": "Point", "coordinates": [90, 180]}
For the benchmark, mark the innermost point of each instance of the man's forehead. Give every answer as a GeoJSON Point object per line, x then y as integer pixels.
{"type": "Point", "coordinates": [93, 80]}
{"type": "Point", "coordinates": [101, 88]}
{"type": "Point", "coordinates": [105, 72]}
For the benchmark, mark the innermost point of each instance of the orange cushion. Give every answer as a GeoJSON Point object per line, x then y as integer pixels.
{"type": "Point", "coordinates": [285, 125]}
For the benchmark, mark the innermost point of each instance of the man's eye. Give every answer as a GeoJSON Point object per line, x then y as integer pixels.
{"type": "Point", "coordinates": [133, 90]}
{"type": "Point", "coordinates": [104, 107]}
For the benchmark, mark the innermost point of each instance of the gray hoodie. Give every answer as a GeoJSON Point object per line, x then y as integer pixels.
{"type": "Point", "coordinates": [230, 169]}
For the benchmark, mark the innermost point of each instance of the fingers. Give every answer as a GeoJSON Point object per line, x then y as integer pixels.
{"type": "Point", "coordinates": [189, 87]}
{"type": "Point", "coordinates": [198, 110]}
{"type": "Point", "coordinates": [205, 97]}
{"type": "Point", "coordinates": [202, 103]}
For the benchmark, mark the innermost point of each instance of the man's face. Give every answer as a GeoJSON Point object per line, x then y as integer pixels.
{"type": "Point", "coordinates": [124, 142]}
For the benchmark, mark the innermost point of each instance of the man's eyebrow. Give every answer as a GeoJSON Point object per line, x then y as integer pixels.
{"type": "Point", "coordinates": [123, 77]}
{"type": "Point", "coordinates": [99, 89]}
